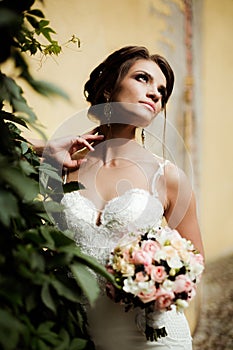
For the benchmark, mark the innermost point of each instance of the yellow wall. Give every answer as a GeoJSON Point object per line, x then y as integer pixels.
{"type": "Point", "coordinates": [217, 128]}
{"type": "Point", "coordinates": [103, 26]}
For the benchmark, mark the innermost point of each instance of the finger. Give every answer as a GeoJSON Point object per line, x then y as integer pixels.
{"type": "Point", "coordinates": [78, 143]}
{"type": "Point", "coordinates": [84, 142]}
{"type": "Point", "coordinates": [87, 144]}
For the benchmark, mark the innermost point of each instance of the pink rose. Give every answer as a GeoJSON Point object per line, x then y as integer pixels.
{"type": "Point", "coordinates": [164, 299]}
{"type": "Point", "coordinates": [158, 273]}
{"type": "Point", "coordinates": [141, 277]}
{"type": "Point", "coordinates": [141, 258]}
{"type": "Point", "coordinates": [182, 284]}
{"type": "Point", "coordinates": [151, 247]}
{"type": "Point", "coordinates": [146, 297]}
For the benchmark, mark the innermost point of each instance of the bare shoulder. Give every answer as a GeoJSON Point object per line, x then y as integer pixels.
{"type": "Point", "coordinates": [178, 186]}
{"type": "Point", "coordinates": [175, 176]}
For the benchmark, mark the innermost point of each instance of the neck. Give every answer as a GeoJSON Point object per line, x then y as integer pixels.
{"type": "Point", "coordinates": [118, 149]}
{"type": "Point", "coordinates": [118, 131]}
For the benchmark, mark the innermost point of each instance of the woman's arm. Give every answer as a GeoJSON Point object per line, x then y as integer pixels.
{"type": "Point", "coordinates": [180, 211]}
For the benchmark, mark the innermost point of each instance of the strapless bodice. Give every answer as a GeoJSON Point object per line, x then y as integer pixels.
{"type": "Point", "coordinates": [136, 210]}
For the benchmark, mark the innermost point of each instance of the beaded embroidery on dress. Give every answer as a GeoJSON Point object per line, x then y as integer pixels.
{"type": "Point", "coordinates": [110, 326]}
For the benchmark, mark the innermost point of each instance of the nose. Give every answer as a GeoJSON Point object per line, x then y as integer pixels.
{"type": "Point", "coordinates": [154, 93]}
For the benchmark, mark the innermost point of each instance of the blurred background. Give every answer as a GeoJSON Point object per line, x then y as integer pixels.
{"type": "Point", "coordinates": [196, 38]}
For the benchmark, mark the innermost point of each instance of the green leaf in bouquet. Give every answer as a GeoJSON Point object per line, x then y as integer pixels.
{"type": "Point", "coordinates": [86, 280]}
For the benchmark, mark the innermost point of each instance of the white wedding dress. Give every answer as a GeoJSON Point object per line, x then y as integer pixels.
{"type": "Point", "coordinates": [112, 328]}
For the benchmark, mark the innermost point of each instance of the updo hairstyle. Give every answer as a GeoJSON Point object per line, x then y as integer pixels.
{"type": "Point", "coordinates": [106, 78]}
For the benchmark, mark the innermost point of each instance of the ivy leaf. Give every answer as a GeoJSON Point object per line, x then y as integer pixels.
{"type": "Point", "coordinates": [53, 48]}
{"type": "Point", "coordinates": [65, 292]}
{"type": "Point", "coordinates": [96, 266]}
{"type": "Point", "coordinates": [33, 21]}
{"type": "Point", "coordinates": [50, 171]}
{"type": "Point", "coordinates": [27, 168]}
{"type": "Point", "coordinates": [73, 186]}
{"type": "Point", "coordinates": [86, 280]}
{"type": "Point", "coordinates": [47, 298]}
{"type": "Point", "coordinates": [20, 105]}
{"type": "Point", "coordinates": [25, 187]}
{"type": "Point", "coordinates": [78, 344]}
{"type": "Point", "coordinates": [36, 13]}
{"type": "Point", "coordinates": [10, 329]}
{"type": "Point", "coordinates": [47, 89]}
{"type": "Point", "coordinates": [9, 205]}
{"type": "Point", "coordinates": [13, 118]}
{"type": "Point", "coordinates": [43, 23]}
{"type": "Point", "coordinates": [46, 32]}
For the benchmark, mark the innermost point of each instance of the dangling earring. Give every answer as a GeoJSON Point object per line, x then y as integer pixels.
{"type": "Point", "coordinates": [108, 112]}
{"type": "Point", "coordinates": [143, 136]}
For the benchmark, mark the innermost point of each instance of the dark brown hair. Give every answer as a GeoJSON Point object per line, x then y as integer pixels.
{"type": "Point", "coordinates": [109, 74]}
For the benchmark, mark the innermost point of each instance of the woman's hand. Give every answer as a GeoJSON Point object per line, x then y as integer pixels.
{"type": "Point", "coordinates": [61, 150]}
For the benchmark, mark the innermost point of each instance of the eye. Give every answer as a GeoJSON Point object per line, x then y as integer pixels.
{"type": "Point", "coordinates": [142, 77]}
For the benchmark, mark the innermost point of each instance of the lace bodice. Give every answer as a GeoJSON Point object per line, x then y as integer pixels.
{"type": "Point", "coordinates": [135, 210]}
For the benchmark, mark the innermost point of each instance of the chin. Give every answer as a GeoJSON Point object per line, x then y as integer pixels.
{"type": "Point", "coordinates": [132, 113]}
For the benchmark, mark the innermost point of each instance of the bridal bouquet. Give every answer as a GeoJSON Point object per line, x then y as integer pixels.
{"type": "Point", "coordinates": [155, 270]}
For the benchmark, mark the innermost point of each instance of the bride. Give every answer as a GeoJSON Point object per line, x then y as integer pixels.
{"type": "Point", "coordinates": [126, 187]}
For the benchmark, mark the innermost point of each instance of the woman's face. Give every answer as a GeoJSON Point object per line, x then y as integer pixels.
{"type": "Point", "coordinates": [141, 91]}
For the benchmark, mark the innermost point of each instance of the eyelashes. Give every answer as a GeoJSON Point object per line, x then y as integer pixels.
{"type": "Point", "coordinates": [143, 77]}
